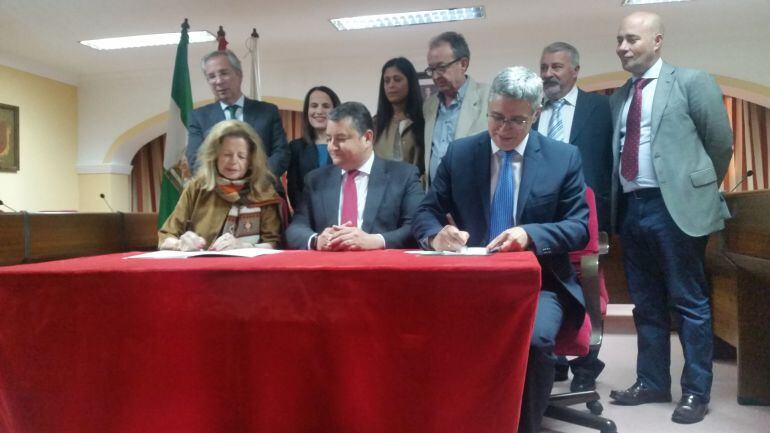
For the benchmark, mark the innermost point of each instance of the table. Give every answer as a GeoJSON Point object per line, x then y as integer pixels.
{"type": "Point", "coordinates": [294, 342]}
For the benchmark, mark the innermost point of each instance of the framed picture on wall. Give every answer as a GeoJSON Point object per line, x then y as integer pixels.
{"type": "Point", "coordinates": [426, 85]}
{"type": "Point", "coordinates": [9, 138]}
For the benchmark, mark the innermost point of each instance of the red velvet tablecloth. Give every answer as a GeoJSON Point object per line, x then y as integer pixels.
{"type": "Point", "coordinates": [294, 342]}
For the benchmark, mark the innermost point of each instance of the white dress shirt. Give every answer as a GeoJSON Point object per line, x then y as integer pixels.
{"type": "Point", "coordinates": [567, 114]}
{"type": "Point", "coordinates": [646, 177]}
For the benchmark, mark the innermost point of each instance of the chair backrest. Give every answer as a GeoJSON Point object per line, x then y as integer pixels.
{"type": "Point", "coordinates": [593, 230]}
{"type": "Point", "coordinates": [577, 342]}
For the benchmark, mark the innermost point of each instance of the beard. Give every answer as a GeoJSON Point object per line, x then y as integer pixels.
{"type": "Point", "coordinates": [551, 87]}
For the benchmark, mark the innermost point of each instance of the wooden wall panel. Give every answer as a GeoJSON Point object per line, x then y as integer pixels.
{"type": "Point", "coordinates": [35, 237]}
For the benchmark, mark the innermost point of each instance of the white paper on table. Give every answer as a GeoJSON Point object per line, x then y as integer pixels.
{"type": "Point", "coordinates": [465, 251]}
{"type": "Point", "coordinates": [240, 252]}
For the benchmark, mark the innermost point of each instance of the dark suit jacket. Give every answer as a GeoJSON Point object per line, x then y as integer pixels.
{"type": "Point", "coordinates": [262, 116]}
{"type": "Point", "coordinates": [551, 205]}
{"type": "Point", "coordinates": [592, 134]}
{"type": "Point", "coordinates": [393, 194]}
{"type": "Point", "coordinates": [303, 158]}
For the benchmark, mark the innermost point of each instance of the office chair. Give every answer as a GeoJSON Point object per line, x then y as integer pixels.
{"type": "Point", "coordinates": [578, 342]}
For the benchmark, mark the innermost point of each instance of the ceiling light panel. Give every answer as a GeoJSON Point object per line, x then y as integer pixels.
{"type": "Point", "coordinates": [146, 40]}
{"type": "Point", "coordinates": [408, 18]}
{"type": "Point", "coordinates": [647, 2]}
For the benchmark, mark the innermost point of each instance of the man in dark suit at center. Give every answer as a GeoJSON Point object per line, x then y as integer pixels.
{"type": "Point", "coordinates": [362, 202]}
{"type": "Point", "coordinates": [511, 189]}
{"type": "Point", "coordinates": [223, 73]}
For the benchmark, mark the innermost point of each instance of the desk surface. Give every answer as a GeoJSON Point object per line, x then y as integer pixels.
{"type": "Point", "coordinates": [294, 342]}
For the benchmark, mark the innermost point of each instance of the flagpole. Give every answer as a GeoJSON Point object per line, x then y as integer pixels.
{"type": "Point", "coordinates": [175, 168]}
{"type": "Point", "coordinates": [222, 42]}
{"type": "Point", "coordinates": [256, 80]}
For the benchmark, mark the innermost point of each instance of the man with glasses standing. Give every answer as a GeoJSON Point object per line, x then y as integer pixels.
{"type": "Point", "coordinates": [512, 189]}
{"type": "Point", "coordinates": [459, 108]}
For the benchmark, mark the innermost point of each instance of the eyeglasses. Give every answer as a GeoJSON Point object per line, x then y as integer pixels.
{"type": "Point", "coordinates": [441, 69]}
{"type": "Point", "coordinates": [500, 121]}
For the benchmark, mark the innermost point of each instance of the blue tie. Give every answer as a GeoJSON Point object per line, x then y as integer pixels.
{"type": "Point", "coordinates": [501, 217]}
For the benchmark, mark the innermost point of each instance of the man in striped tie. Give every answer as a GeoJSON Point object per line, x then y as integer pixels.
{"type": "Point", "coordinates": [579, 118]}
{"type": "Point", "coordinates": [512, 189]}
{"type": "Point", "coordinates": [582, 119]}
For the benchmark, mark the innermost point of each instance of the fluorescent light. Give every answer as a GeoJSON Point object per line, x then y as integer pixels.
{"type": "Point", "coordinates": [408, 18]}
{"type": "Point", "coordinates": [147, 40]}
{"type": "Point", "coordinates": [647, 2]}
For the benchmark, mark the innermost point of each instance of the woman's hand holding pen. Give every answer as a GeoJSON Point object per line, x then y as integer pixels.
{"type": "Point", "coordinates": [190, 241]}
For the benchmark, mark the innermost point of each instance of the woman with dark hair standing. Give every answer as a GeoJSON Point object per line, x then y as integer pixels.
{"type": "Point", "coordinates": [399, 123]}
{"type": "Point", "coordinates": [309, 152]}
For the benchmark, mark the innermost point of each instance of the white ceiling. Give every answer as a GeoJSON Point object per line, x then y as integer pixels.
{"type": "Point", "coordinates": [45, 33]}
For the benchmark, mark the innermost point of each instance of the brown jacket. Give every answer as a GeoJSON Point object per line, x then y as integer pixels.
{"type": "Point", "coordinates": [204, 213]}
{"type": "Point", "coordinates": [385, 143]}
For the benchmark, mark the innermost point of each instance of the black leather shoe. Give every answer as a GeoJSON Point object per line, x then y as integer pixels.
{"type": "Point", "coordinates": [691, 409]}
{"type": "Point", "coordinates": [638, 393]}
{"type": "Point", "coordinates": [582, 381]}
{"type": "Point", "coordinates": [561, 373]}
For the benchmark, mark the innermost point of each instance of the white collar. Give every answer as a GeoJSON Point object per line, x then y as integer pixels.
{"type": "Point", "coordinates": [520, 148]}
{"type": "Point", "coordinates": [571, 96]}
{"type": "Point", "coordinates": [239, 103]}
{"type": "Point", "coordinates": [654, 70]}
{"type": "Point", "coordinates": [366, 167]}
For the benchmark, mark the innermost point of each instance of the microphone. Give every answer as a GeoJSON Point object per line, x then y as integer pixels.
{"type": "Point", "coordinates": [749, 173]}
{"type": "Point", "coordinates": [106, 202]}
{"type": "Point", "coordinates": [3, 204]}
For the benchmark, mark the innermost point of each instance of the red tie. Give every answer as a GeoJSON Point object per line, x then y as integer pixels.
{"type": "Point", "coordinates": [350, 199]}
{"type": "Point", "coordinates": [629, 160]}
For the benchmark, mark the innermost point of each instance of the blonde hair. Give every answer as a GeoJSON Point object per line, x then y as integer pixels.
{"type": "Point", "coordinates": [261, 179]}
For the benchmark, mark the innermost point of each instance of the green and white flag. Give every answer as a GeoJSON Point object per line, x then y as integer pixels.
{"type": "Point", "coordinates": [175, 167]}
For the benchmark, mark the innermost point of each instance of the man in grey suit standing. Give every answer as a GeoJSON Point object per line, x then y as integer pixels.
{"type": "Point", "coordinates": [672, 145]}
{"type": "Point", "coordinates": [362, 202]}
{"type": "Point", "coordinates": [459, 109]}
{"type": "Point", "coordinates": [223, 72]}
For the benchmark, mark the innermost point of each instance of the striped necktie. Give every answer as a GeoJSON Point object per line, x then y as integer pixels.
{"type": "Point", "coordinates": [501, 216]}
{"type": "Point", "coordinates": [555, 125]}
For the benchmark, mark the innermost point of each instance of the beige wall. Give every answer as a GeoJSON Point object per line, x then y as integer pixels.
{"type": "Point", "coordinates": [48, 119]}
{"type": "Point", "coordinates": [115, 187]}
